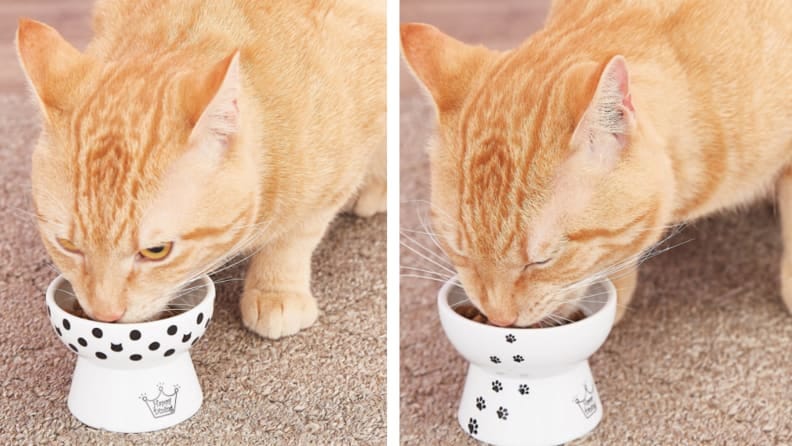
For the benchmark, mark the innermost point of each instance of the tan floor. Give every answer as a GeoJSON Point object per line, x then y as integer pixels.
{"type": "Point", "coordinates": [323, 386]}
{"type": "Point", "coordinates": [705, 358]}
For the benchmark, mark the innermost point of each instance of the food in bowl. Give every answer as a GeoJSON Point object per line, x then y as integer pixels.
{"type": "Point", "coordinates": [469, 311]}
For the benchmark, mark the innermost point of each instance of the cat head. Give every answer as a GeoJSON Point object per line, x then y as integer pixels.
{"type": "Point", "coordinates": [534, 186]}
{"type": "Point", "coordinates": [142, 177]}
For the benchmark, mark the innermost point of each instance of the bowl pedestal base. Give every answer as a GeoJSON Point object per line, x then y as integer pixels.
{"type": "Point", "coordinates": [135, 399]}
{"type": "Point", "coordinates": [529, 410]}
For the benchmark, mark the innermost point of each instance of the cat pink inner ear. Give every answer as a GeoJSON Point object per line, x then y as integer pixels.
{"type": "Point", "coordinates": [606, 125]}
{"type": "Point", "coordinates": [617, 69]}
{"type": "Point", "coordinates": [218, 91]}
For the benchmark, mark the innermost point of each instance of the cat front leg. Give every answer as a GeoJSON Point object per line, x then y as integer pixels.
{"type": "Point", "coordinates": [784, 197]}
{"type": "Point", "coordinates": [625, 283]}
{"type": "Point", "coordinates": [372, 195]}
{"type": "Point", "coordinates": [277, 299]}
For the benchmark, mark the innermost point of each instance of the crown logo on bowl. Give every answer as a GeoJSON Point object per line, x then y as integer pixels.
{"type": "Point", "coordinates": [587, 404]}
{"type": "Point", "coordinates": [163, 404]}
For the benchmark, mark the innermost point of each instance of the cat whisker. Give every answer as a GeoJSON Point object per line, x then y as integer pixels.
{"type": "Point", "coordinates": [179, 308]}
{"type": "Point", "coordinates": [51, 266]}
{"type": "Point", "coordinates": [68, 293]}
{"type": "Point", "coordinates": [184, 291]}
{"type": "Point", "coordinates": [23, 214]}
{"type": "Point", "coordinates": [243, 259]}
{"type": "Point", "coordinates": [554, 322]}
{"type": "Point", "coordinates": [425, 250]}
{"type": "Point", "coordinates": [441, 275]}
{"type": "Point", "coordinates": [629, 264]}
{"type": "Point", "coordinates": [230, 279]}
{"type": "Point", "coordinates": [415, 231]}
{"type": "Point", "coordinates": [446, 217]}
{"type": "Point", "coordinates": [416, 276]}
{"type": "Point", "coordinates": [428, 228]}
{"type": "Point", "coordinates": [49, 196]}
{"type": "Point", "coordinates": [427, 203]}
{"type": "Point", "coordinates": [576, 299]}
{"type": "Point", "coordinates": [643, 258]}
{"type": "Point", "coordinates": [240, 246]}
{"type": "Point", "coordinates": [578, 303]}
{"type": "Point", "coordinates": [427, 258]}
{"type": "Point", "coordinates": [558, 318]}
{"type": "Point", "coordinates": [462, 302]}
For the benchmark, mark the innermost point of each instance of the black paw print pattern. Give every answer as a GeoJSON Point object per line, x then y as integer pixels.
{"type": "Point", "coordinates": [510, 338]}
{"type": "Point", "coordinates": [523, 389]}
{"type": "Point", "coordinates": [518, 358]}
{"type": "Point", "coordinates": [503, 413]}
{"type": "Point", "coordinates": [497, 386]}
{"type": "Point", "coordinates": [480, 403]}
{"type": "Point", "coordinates": [473, 426]}
{"type": "Point", "coordinates": [495, 359]}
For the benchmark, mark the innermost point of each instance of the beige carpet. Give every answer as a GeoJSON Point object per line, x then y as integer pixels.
{"type": "Point", "coordinates": [323, 386]}
{"type": "Point", "coordinates": [705, 357]}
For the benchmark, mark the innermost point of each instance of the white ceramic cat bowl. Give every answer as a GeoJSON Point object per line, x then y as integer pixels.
{"type": "Point", "coordinates": [529, 386]}
{"type": "Point", "coordinates": [136, 377]}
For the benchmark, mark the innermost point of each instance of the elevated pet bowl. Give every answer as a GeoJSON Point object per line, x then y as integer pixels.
{"type": "Point", "coordinates": [529, 386]}
{"type": "Point", "coordinates": [135, 377]}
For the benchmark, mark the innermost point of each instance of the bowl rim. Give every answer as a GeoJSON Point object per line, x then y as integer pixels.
{"type": "Point", "coordinates": [56, 283]}
{"type": "Point", "coordinates": [607, 308]}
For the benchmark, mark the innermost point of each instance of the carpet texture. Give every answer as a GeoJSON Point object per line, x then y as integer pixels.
{"type": "Point", "coordinates": [703, 358]}
{"type": "Point", "coordinates": [324, 386]}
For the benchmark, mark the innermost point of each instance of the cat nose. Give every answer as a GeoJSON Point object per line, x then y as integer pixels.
{"type": "Point", "coordinates": [499, 315]}
{"type": "Point", "coordinates": [109, 315]}
{"type": "Point", "coordinates": [502, 321]}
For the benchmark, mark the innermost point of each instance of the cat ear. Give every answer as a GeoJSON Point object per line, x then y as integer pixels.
{"type": "Point", "coordinates": [212, 103]}
{"type": "Point", "coordinates": [609, 119]}
{"type": "Point", "coordinates": [52, 66]}
{"type": "Point", "coordinates": [445, 66]}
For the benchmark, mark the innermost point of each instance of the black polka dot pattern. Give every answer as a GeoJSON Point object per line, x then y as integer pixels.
{"type": "Point", "coordinates": [117, 343]}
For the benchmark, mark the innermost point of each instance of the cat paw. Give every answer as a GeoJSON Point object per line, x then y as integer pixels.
{"type": "Point", "coordinates": [274, 315]}
{"type": "Point", "coordinates": [372, 199]}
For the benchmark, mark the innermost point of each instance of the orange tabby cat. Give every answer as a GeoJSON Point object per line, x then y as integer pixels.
{"type": "Point", "coordinates": [564, 159]}
{"type": "Point", "coordinates": [193, 130]}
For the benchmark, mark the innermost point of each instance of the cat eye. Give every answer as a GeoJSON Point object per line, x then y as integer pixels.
{"type": "Point", "coordinates": [158, 252]}
{"type": "Point", "coordinates": [543, 262]}
{"type": "Point", "coordinates": [68, 245]}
